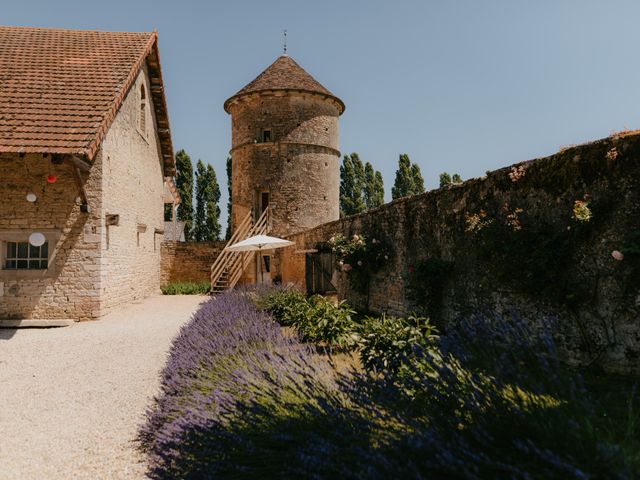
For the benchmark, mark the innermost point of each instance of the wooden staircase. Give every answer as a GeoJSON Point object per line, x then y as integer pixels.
{"type": "Point", "coordinates": [229, 266]}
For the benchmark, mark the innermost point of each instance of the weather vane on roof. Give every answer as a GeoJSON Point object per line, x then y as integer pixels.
{"type": "Point", "coordinates": [285, 41]}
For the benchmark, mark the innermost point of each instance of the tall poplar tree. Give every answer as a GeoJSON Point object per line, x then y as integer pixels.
{"type": "Point", "coordinates": [207, 220]}
{"type": "Point", "coordinates": [361, 187]}
{"type": "Point", "coordinates": [347, 181]}
{"type": "Point", "coordinates": [199, 224]}
{"type": "Point", "coordinates": [351, 183]}
{"type": "Point", "coordinates": [184, 185]}
{"type": "Point", "coordinates": [212, 216]}
{"type": "Point", "coordinates": [418, 181]}
{"type": "Point", "coordinates": [378, 190]}
{"type": "Point", "coordinates": [229, 189]}
{"type": "Point", "coordinates": [403, 184]}
{"type": "Point", "coordinates": [373, 187]}
{"type": "Point", "coordinates": [408, 179]}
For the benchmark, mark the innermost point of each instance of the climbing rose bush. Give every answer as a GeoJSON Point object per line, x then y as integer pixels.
{"type": "Point", "coordinates": [581, 211]}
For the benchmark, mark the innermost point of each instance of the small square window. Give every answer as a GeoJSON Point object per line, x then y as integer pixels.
{"type": "Point", "coordinates": [24, 256]}
{"type": "Point", "coordinates": [266, 135]}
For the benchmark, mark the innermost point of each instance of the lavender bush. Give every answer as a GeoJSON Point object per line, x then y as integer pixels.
{"type": "Point", "coordinates": [242, 399]}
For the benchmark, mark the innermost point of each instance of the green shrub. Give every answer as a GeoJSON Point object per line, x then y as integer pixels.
{"type": "Point", "coordinates": [328, 323]}
{"type": "Point", "coordinates": [384, 343]}
{"type": "Point", "coordinates": [387, 343]}
{"type": "Point", "coordinates": [288, 307]}
{"type": "Point", "coordinates": [186, 288]}
{"type": "Point", "coordinates": [316, 319]}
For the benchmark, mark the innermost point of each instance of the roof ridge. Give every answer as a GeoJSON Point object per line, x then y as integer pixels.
{"type": "Point", "coordinates": [58, 29]}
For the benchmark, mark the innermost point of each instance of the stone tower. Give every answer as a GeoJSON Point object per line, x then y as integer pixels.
{"type": "Point", "coordinates": [285, 149]}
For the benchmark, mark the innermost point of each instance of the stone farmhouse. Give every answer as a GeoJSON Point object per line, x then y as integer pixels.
{"type": "Point", "coordinates": [87, 162]}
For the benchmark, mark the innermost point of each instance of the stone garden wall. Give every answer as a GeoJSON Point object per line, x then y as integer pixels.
{"type": "Point", "coordinates": [188, 261]}
{"type": "Point", "coordinates": [518, 240]}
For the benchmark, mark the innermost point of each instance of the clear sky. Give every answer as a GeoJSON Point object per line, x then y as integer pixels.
{"type": "Point", "coordinates": [460, 86]}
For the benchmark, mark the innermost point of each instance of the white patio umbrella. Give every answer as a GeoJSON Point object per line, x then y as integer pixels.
{"type": "Point", "coordinates": [258, 243]}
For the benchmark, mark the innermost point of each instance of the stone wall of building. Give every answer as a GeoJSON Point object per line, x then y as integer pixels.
{"type": "Point", "coordinates": [70, 287]}
{"type": "Point", "coordinates": [93, 268]}
{"type": "Point", "coordinates": [498, 245]}
{"type": "Point", "coordinates": [133, 190]}
{"type": "Point", "coordinates": [188, 261]}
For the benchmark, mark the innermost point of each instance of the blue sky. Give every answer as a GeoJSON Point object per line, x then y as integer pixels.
{"type": "Point", "coordinates": [461, 86]}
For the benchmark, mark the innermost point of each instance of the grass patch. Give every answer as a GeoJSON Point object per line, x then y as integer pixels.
{"type": "Point", "coordinates": [186, 288]}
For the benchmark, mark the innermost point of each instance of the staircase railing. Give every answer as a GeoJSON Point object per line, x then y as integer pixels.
{"type": "Point", "coordinates": [243, 260]}
{"type": "Point", "coordinates": [229, 266]}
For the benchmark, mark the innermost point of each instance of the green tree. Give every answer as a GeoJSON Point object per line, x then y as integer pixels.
{"type": "Point", "coordinates": [418, 181]}
{"type": "Point", "coordinates": [445, 179]}
{"type": "Point", "coordinates": [207, 224]}
{"type": "Point", "coordinates": [351, 185]}
{"type": "Point", "coordinates": [184, 185]}
{"type": "Point", "coordinates": [373, 191]}
{"type": "Point", "coordinates": [200, 220]}
{"type": "Point", "coordinates": [408, 179]}
{"type": "Point", "coordinates": [212, 217]}
{"type": "Point", "coordinates": [378, 190]}
{"type": "Point", "coordinates": [229, 188]}
{"type": "Point", "coordinates": [403, 184]}
{"type": "Point", "coordinates": [347, 181]}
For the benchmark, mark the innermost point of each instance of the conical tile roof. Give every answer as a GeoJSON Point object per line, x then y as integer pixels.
{"type": "Point", "coordinates": [284, 74]}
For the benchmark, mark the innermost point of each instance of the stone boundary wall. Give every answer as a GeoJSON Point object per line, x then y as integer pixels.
{"type": "Point", "coordinates": [545, 264]}
{"type": "Point", "coordinates": [188, 261]}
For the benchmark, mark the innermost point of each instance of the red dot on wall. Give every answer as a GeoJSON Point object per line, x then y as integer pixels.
{"type": "Point", "coordinates": [52, 178]}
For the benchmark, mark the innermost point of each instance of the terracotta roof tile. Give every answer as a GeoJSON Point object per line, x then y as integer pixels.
{"type": "Point", "coordinates": [61, 89]}
{"type": "Point", "coordinates": [284, 74]}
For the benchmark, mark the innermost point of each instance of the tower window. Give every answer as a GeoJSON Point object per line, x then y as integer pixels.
{"type": "Point", "coordinates": [264, 201]}
{"type": "Point", "coordinates": [266, 135]}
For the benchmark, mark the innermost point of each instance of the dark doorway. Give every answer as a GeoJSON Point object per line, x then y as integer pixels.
{"type": "Point", "coordinates": [264, 201]}
{"type": "Point", "coordinates": [319, 272]}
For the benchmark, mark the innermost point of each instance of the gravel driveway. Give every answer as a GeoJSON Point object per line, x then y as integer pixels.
{"type": "Point", "coordinates": [71, 398]}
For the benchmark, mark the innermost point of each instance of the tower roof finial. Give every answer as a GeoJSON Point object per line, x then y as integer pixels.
{"type": "Point", "coordinates": [285, 41]}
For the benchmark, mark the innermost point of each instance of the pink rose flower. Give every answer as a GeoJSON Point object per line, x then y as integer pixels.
{"type": "Point", "coordinates": [617, 255]}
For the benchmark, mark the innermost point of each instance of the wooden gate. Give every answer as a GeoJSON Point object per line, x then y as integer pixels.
{"type": "Point", "coordinates": [319, 272]}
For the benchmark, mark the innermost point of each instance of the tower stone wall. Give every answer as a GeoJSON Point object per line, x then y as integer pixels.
{"type": "Point", "coordinates": [284, 151]}
{"type": "Point", "coordinates": [297, 165]}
